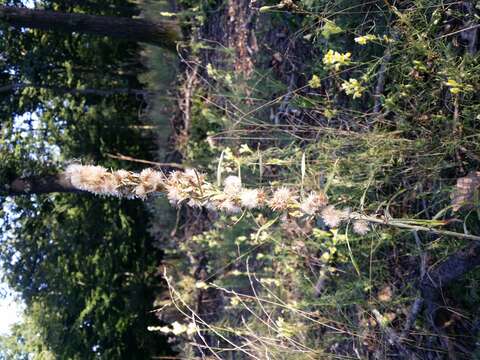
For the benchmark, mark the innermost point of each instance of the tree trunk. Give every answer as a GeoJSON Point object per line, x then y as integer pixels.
{"type": "Point", "coordinates": [39, 185]}
{"type": "Point", "coordinates": [61, 90]}
{"type": "Point", "coordinates": [164, 33]}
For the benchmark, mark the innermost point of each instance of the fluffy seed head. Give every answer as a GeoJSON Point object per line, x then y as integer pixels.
{"type": "Point", "coordinates": [194, 177]}
{"type": "Point", "coordinates": [174, 178]}
{"type": "Point", "coordinates": [281, 199]}
{"type": "Point", "coordinates": [361, 227]}
{"type": "Point", "coordinates": [313, 203]}
{"type": "Point", "coordinates": [232, 185]}
{"type": "Point", "coordinates": [174, 195]}
{"type": "Point", "coordinates": [95, 179]}
{"type": "Point", "coordinates": [149, 181]}
{"type": "Point", "coordinates": [331, 216]}
{"type": "Point", "coordinates": [185, 179]}
{"type": "Point", "coordinates": [110, 185]}
{"type": "Point", "coordinates": [122, 176]}
{"type": "Point", "coordinates": [249, 198]}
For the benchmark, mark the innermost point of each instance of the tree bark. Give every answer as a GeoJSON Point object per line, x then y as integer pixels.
{"type": "Point", "coordinates": [164, 33]}
{"type": "Point", "coordinates": [61, 90]}
{"type": "Point", "coordinates": [39, 185]}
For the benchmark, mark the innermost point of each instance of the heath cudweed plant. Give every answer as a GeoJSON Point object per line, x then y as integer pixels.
{"type": "Point", "coordinates": [191, 188]}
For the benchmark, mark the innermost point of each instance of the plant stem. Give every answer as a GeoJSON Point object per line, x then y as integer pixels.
{"type": "Point", "coordinates": [400, 224]}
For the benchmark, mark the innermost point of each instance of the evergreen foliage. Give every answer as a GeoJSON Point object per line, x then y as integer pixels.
{"type": "Point", "coordinates": [85, 267]}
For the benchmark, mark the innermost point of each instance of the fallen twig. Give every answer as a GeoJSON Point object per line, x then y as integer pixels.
{"type": "Point", "coordinates": [418, 303]}
{"type": "Point", "coordinates": [154, 163]}
{"type": "Point", "coordinates": [393, 337]}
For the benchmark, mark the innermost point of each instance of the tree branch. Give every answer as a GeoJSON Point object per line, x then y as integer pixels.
{"type": "Point", "coordinates": [165, 33]}
{"type": "Point", "coordinates": [39, 185]}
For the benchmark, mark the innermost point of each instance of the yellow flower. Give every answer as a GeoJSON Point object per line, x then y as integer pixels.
{"type": "Point", "coordinates": [330, 28]}
{"type": "Point", "coordinates": [314, 82]}
{"type": "Point", "coordinates": [336, 60]}
{"type": "Point", "coordinates": [387, 39]}
{"type": "Point", "coordinates": [329, 113]}
{"type": "Point", "coordinates": [245, 149]}
{"type": "Point", "coordinates": [456, 87]}
{"type": "Point", "coordinates": [270, 281]}
{"type": "Point", "coordinates": [453, 83]}
{"type": "Point", "coordinates": [201, 285]}
{"type": "Point", "coordinates": [191, 328]}
{"type": "Point", "coordinates": [363, 40]}
{"type": "Point", "coordinates": [178, 329]}
{"type": "Point", "coordinates": [325, 257]}
{"type": "Point", "coordinates": [210, 70]}
{"type": "Point", "coordinates": [234, 301]}
{"type": "Point", "coordinates": [353, 87]}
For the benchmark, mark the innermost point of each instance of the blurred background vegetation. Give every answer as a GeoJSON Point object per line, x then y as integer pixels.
{"type": "Point", "coordinates": [373, 102]}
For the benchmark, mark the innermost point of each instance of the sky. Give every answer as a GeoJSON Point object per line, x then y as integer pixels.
{"type": "Point", "coordinates": [11, 307]}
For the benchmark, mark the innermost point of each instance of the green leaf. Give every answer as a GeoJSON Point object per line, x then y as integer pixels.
{"type": "Point", "coordinates": [330, 28]}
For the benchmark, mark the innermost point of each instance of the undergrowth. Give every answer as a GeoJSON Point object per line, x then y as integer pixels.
{"type": "Point", "coordinates": [373, 103]}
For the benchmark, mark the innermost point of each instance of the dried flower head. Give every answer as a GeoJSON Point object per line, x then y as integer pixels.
{"type": "Point", "coordinates": [232, 185]}
{"type": "Point", "coordinates": [95, 179]}
{"type": "Point", "coordinates": [110, 185]}
{"type": "Point", "coordinates": [332, 217]}
{"type": "Point", "coordinates": [361, 227]}
{"type": "Point", "coordinates": [127, 181]}
{"type": "Point", "coordinates": [249, 198]}
{"type": "Point", "coordinates": [185, 185]}
{"type": "Point", "coordinates": [314, 202]}
{"type": "Point", "coordinates": [149, 181]}
{"type": "Point", "coordinates": [281, 199]}
{"type": "Point", "coordinates": [185, 179]}
{"type": "Point", "coordinates": [194, 177]}
{"type": "Point", "coordinates": [174, 178]}
{"type": "Point", "coordinates": [122, 176]}
{"type": "Point", "coordinates": [174, 195]}
{"type": "Point", "coordinates": [153, 180]}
